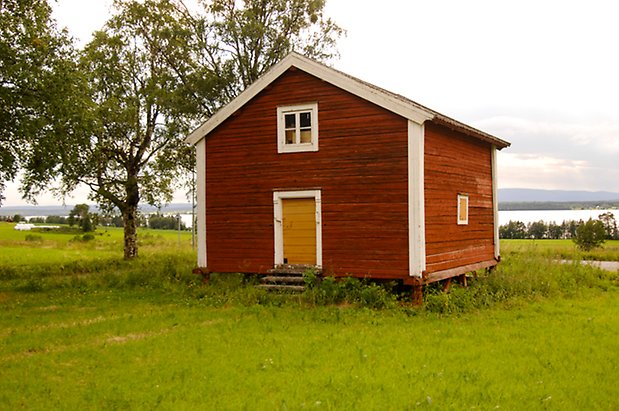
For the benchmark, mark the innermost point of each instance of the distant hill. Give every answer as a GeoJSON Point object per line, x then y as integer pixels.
{"type": "Point", "coordinates": [534, 195]}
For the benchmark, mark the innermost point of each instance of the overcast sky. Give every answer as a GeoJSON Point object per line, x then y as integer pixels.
{"type": "Point", "coordinates": [541, 74]}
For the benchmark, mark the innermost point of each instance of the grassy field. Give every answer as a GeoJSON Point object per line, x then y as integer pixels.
{"type": "Point", "coordinates": [103, 333]}
{"type": "Point", "coordinates": [51, 246]}
{"type": "Point", "coordinates": [562, 249]}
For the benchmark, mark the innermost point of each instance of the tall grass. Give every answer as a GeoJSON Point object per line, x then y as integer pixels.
{"type": "Point", "coordinates": [55, 261]}
{"type": "Point", "coordinates": [157, 271]}
{"type": "Point", "coordinates": [519, 277]}
{"type": "Point", "coordinates": [562, 249]}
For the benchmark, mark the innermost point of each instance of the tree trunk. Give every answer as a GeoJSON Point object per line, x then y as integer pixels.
{"type": "Point", "coordinates": [130, 213]}
{"type": "Point", "coordinates": [131, 232]}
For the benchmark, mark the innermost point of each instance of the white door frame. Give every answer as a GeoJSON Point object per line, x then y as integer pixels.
{"type": "Point", "coordinates": [278, 196]}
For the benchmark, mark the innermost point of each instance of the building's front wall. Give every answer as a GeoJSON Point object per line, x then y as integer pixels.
{"type": "Point", "coordinates": [457, 164]}
{"type": "Point", "coordinates": [360, 169]}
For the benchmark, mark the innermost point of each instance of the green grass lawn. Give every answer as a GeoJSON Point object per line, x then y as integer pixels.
{"type": "Point", "coordinates": [22, 248]}
{"type": "Point", "coordinates": [144, 350]}
{"type": "Point", "coordinates": [80, 328]}
{"type": "Point", "coordinates": [563, 249]}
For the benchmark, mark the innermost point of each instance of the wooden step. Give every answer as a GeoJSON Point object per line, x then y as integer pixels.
{"type": "Point", "coordinates": [282, 287]}
{"type": "Point", "coordinates": [286, 279]}
{"type": "Point", "coordinates": [293, 269]}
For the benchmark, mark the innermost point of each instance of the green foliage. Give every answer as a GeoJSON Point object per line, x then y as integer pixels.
{"type": "Point", "coordinates": [250, 37]}
{"type": "Point", "coordinates": [84, 238]}
{"type": "Point", "coordinates": [610, 225]}
{"type": "Point", "coordinates": [82, 218]}
{"type": "Point", "coordinates": [36, 84]}
{"type": "Point", "coordinates": [590, 235]}
{"type": "Point", "coordinates": [555, 231]}
{"type": "Point", "coordinates": [161, 222]}
{"type": "Point", "coordinates": [310, 278]}
{"type": "Point", "coordinates": [34, 238]}
{"type": "Point", "coordinates": [513, 230]}
{"type": "Point", "coordinates": [537, 230]}
{"type": "Point", "coordinates": [112, 220]}
{"type": "Point", "coordinates": [54, 219]}
{"type": "Point", "coordinates": [348, 291]}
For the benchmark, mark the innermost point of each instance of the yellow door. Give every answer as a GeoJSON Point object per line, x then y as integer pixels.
{"type": "Point", "coordinates": [299, 230]}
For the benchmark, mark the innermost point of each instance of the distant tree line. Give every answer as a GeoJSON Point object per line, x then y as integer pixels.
{"type": "Point", "coordinates": [12, 219]}
{"type": "Point", "coordinates": [565, 230]}
{"type": "Point", "coordinates": [87, 222]}
{"type": "Point", "coordinates": [161, 222]}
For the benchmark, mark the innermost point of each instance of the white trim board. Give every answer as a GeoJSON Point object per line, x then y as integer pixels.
{"type": "Point", "coordinates": [201, 203]}
{"type": "Point", "coordinates": [416, 200]}
{"type": "Point", "coordinates": [495, 203]}
{"type": "Point", "coordinates": [278, 196]}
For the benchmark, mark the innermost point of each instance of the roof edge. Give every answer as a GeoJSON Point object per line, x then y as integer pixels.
{"type": "Point", "coordinates": [391, 101]}
{"type": "Point", "coordinates": [470, 131]}
{"type": "Point", "coordinates": [378, 96]}
{"type": "Point", "coordinates": [239, 101]}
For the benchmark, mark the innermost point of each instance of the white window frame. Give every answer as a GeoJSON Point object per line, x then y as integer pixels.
{"type": "Point", "coordinates": [278, 196]}
{"type": "Point", "coordinates": [464, 197]}
{"type": "Point", "coordinates": [282, 147]}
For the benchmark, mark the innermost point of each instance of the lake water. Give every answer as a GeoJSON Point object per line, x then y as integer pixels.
{"type": "Point", "coordinates": [526, 216]}
{"type": "Point", "coordinates": [558, 216]}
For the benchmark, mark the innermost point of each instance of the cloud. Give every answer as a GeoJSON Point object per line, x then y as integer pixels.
{"type": "Point", "coordinates": [556, 150]}
{"type": "Point", "coordinates": [532, 135]}
{"type": "Point", "coordinates": [547, 172]}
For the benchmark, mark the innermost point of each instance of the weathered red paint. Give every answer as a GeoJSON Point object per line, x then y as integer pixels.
{"type": "Point", "coordinates": [360, 168]}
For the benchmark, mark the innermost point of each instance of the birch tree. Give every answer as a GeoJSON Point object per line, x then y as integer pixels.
{"type": "Point", "coordinates": [151, 74]}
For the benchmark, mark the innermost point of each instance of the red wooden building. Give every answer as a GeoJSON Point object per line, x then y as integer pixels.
{"type": "Point", "coordinates": [311, 166]}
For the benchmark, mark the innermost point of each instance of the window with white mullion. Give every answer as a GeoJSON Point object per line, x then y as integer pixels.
{"type": "Point", "coordinates": [297, 128]}
{"type": "Point", "coordinates": [305, 127]}
{"type": "Point", "coordinates": [290, 121]}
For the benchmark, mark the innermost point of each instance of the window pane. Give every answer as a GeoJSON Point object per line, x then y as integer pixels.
{"type": "Point", "coordinates": [306, 136]}
{"type": "Point", "coordinates": [305, 119]}
{"type": "Point", "coordinates": [290, 136]}
{"type": "Point", "coordinates": [290, 123]}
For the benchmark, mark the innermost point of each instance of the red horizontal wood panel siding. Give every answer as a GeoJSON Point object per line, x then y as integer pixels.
{"type": "Point", "coordinates": [457, 164]}
{"type": "Point", "coordinates": [360, 168]}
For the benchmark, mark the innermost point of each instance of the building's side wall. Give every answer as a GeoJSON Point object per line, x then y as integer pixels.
{"type": "Point", "coordinates": [360, 168]}
{"type": "Point", "coordinates": [457, 164]}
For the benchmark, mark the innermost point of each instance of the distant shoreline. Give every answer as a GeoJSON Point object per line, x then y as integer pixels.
{"type": "Point", "coordinates": [558, 205]}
